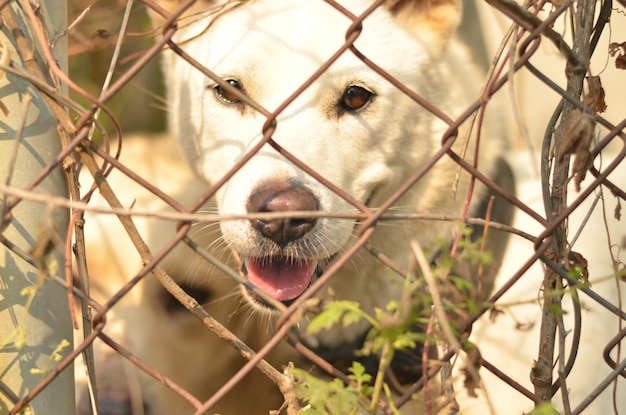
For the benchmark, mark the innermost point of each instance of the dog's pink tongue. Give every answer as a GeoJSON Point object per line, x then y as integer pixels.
{"type": "Point", "coordinates": [280, 278]}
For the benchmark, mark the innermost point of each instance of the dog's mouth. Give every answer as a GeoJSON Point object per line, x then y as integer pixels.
{"type": "Point", "coordinates": [281, 278]}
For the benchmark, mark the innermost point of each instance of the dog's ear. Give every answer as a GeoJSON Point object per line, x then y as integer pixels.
{"type": "Point", "coordinates": [442, 17]}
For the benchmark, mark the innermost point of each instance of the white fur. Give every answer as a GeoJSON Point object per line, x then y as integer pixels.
{"type": "Point", "coordinates": [271, 47]}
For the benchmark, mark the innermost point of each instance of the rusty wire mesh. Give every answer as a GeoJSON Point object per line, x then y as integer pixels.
{"type": "Point", "coordinates": [533, 27]}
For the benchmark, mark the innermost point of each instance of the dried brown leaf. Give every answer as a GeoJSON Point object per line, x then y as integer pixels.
{"type": "Point", "coordinates": [582, 162]}
{"type": "Point", "coordinates": [494, 313]}
{"type": "Point", "coordinates": [47, 240]}
{"type": "Point", "coordinates": [595, 97]}
{"type": "Point", "coordinates": [551, 255]}
{"type": "Point", "coordinates": [579, 129]}
{"type": "Point", "coordinates": [524, 326]}
{"type": "Point", "coordinates": [618, 50]}
{"type": "Point", "coordinates": [576, 260]}
{"type": "Point", "coordinates": [470, 370]}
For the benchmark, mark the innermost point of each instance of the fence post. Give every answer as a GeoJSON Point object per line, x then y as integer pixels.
{"type": "Point", "coordinates": [35, 324]}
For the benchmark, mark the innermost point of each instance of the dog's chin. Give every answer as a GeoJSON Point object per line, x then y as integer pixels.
{"type": "Point", "coordinates": [282, 279]}
{"type": "Point", "coordinates": [259, 304]}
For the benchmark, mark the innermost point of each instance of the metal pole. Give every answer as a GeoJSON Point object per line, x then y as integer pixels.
{"type": "Point", "coordinates": [35, 325]}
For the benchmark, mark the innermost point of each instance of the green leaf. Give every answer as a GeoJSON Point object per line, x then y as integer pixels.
{"type": "Point", "coordinates": [346, 311]}
{"type": "Point", "coordinates": [392, 306]}
{"type": "Point", "coordinates": [323, 397]}
{"type": "Point", "coordinates": [361, 377]}
{"type": "Point", "coordinates": [352, 317]}
{"type": "Point", "coordinates": [408, 340]}
{"type": "Point", "coordinates": [310, 389]}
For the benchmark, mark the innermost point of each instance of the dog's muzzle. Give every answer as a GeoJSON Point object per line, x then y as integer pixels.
{"type": "Point", "coordinates": [286, 273]}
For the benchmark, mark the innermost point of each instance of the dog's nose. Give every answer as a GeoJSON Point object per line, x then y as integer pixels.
{"type": "Point", "coordinates": [282, 197]}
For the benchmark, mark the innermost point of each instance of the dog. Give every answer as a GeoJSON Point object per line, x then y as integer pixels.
{"type": "Point", "coordinates": [343, 144]}
{"type": "Point", "coordinates": [358, 133]}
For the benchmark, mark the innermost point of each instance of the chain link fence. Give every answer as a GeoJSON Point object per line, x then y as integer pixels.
{"type": "Point", "coordinates": [153, 289]}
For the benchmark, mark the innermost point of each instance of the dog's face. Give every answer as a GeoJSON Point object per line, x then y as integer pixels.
{"type": "Point", "coordinates": [352, 127]}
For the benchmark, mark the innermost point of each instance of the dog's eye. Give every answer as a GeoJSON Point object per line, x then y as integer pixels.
{"type": "Point", "coordinates": [227, 96]}
{"type": "Point", "coordinates": [355, 98]}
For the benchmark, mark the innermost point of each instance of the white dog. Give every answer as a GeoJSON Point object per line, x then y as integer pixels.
{"type": "Point", "coordinates": [343, 144]}
{"type": "Point", "coordinates": [351, 126]}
